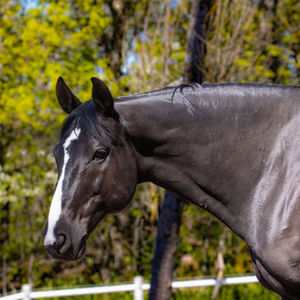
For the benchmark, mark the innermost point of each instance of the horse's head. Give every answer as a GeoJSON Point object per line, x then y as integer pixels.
{"type": "Point", "coordinates": [97, 171]}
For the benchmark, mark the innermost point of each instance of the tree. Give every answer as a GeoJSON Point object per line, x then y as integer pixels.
{"type": "Point", "coordinates": [170, 217]}
{"type": "Point", "coordinates": [253, 42]}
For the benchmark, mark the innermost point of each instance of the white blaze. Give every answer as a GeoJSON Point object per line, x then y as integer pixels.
{"type": "Point", "coordinates": [55, 208]}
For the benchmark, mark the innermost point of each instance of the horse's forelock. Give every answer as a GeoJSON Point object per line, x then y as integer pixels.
{"type": "Point", "coordinates": [87, 118]}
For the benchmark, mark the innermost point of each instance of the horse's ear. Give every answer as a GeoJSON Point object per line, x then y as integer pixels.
{"type": "Point", "coordinates": [102, 97]}
{"type": "Point", "coordinates": [67, 100]}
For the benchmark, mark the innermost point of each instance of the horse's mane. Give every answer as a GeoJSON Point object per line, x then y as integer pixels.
{"type": "Point", "coordinates": [87, 117]}
{"type": "Point", "coordinates": [170, 93]}
{"type": "Point", "coordinates": [182, 89]}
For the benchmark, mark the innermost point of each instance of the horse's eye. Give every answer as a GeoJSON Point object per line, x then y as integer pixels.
{"type": "Point", "coordinates": [100, 154]}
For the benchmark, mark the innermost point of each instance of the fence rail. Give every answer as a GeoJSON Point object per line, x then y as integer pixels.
{"type": "Point", "coordinates": [137, 287]}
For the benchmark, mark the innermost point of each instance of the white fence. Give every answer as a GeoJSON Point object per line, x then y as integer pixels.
{"type": "Point", "coordinates": [137, 287]}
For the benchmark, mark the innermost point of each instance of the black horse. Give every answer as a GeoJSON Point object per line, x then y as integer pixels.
{"type": "Point", "coordinates": [232, 149]}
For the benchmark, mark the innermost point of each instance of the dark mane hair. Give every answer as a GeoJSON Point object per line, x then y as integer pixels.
{"type": "Point", "coordinates": [87, 117]}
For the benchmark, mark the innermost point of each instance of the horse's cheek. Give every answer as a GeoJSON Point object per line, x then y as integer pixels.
{"type": "Point", "coordinates": [131, 177]}
{"type": "Point", "coordinates": [123, 189]}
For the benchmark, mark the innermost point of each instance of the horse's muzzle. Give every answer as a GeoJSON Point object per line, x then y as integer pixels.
{"type": "Point", "coordinates": [67, 246]}
{"type": "Point", "coordinates": [63, 249]}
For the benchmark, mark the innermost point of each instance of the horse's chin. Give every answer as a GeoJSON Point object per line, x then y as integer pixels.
{"type": "Point", "coordinates": [80, 253]}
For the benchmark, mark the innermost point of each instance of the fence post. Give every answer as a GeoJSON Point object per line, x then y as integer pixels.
{"type": "Point", "coordinates": [138, 291]}
{"type": "Point", "coordinates": [26, 289]}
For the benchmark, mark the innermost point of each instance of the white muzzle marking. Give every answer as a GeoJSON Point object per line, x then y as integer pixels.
{"type": "Point", "coordinates": [56, 204]}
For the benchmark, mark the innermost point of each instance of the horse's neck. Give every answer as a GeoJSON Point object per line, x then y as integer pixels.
{"type": "Point", "coordinates": [210, 149]}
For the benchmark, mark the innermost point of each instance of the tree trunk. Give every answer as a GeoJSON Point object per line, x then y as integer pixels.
{"type": "Point", "coordinates": [113, 41]}
{"type": "Point", "coordinates": [165, 247]}
{"type": "Point", "coordinates": [169, 221]}
{"type": "Point", "coordinates": [196, 48]}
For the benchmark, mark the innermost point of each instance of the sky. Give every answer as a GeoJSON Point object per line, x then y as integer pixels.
{"type": "Point", "coordinates": [29, 4]}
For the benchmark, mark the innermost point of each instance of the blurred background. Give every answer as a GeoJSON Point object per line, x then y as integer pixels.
{"type": "Point", "coordinates": [134, 46]}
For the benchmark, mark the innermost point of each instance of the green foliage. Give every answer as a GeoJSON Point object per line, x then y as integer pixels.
{"type": "Point", "coordinates": [253, 41]}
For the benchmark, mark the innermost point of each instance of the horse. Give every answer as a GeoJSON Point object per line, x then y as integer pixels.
{"type": "Point", "coordinates": [232, 149]}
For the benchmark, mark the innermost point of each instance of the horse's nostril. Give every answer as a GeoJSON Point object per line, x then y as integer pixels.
{"type": "Point", "coordinates": [60, 241]}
